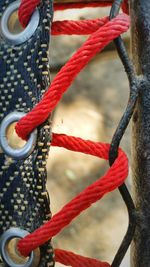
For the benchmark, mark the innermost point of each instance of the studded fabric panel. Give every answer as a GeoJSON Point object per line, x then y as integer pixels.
{"type": "Point", "coordinates": [24, 77]}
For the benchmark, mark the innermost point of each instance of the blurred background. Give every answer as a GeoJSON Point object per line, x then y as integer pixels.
{"type": "Point", "coordinates": [91, 109]}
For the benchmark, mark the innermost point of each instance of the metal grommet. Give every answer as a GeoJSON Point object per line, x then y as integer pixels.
{"type": "Point", "coordinates": [19, 153]}
{"type": "Point", "coordinates": [16, 39]}
{"type": "Point", "coordinates": [5, 239]}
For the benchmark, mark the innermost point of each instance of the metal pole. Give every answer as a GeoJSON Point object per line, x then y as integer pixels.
{"type": "Point", "coordinates": [140, 32]}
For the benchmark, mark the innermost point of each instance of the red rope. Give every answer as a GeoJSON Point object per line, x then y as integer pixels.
{"type": "Point", "coordinates": [77, 27]}
{"type": "Point", "coordinates": [27, 8]}
{"type": "Point", "coordinates": [114, 177]}
{"type": "Point", "coordinates": [63, 6]}
{"type": "Point", "coordinates": [69, 258]}
{"type": "Point", "coordinates": [125, 6]}
{"type": "Point", "coordinates": [95, 43]}
{"type": "Point", "coordinates": [102, 32]}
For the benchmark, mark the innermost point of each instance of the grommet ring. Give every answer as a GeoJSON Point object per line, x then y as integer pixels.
{"type": "Point", "coordinates": [6, 237]}
{"type": "Point", "coordinates": [19, 153]}
{"type": "Point", "coordinates": [25, 34]}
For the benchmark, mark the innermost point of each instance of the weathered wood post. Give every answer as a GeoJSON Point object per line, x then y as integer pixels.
{"type": "Point", "coordinates": [140, 32]}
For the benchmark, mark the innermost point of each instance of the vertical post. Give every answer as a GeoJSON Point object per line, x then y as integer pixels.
{"type": "Point", "coordinates": [140, 31]}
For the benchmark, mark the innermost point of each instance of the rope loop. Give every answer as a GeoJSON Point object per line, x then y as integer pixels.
{"type": "Point", "coordinates": [94, 44]}
{"type": "Point", "coordinates": [102, 32]}
{"type": "Point", "coordinates": [115, 176]}
{"type": "Point", "coordinates": [27, 8]}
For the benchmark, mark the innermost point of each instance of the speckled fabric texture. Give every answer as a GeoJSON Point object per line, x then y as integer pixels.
{"type": "Point", "coordinates": [24, 77]}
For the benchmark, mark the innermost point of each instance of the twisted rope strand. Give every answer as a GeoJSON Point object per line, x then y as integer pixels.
{"type": "Point", "coordinates": [84, 4]}
{"type": "Point", "coordinates": [114, 177]}
{"type": "Point", "coordinates": [27, 8]}
{"type": "Point", "coordinates": [77, 27]}
{"type": "Point", "coordinates": [125, 6]}
{"type": "Point", "coordinates": [102, 32]}
{"type": "Point", "coordinates": [94, 44]}
{"type": "Point", "coordinates": [69, 258]}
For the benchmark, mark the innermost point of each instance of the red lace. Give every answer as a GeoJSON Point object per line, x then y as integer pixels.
{"type": "Point", "coordinates": [102, 32]}
{"type": "Point", "coordinates": [94, 44]}
{"type": "Point", "coordinates": [110, 181]}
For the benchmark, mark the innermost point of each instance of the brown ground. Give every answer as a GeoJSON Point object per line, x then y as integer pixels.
{"type": "Point", "coordinates": [90, 109]}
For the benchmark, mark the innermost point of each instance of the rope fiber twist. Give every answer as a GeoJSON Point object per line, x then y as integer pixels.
{"type": "Point", "coordinates": [102, 32]}
{"type": "Point", "coordinates": [94, 44]}
{"type": "Point", "coordinates": [110, 181]}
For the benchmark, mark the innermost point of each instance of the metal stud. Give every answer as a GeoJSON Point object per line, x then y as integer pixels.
{"type": "Point", "coordinates": [6, 237]}
{"type": "Point", "coordinates": [19, 153]}
{"type": "Point", "coordinates": [25, 34]}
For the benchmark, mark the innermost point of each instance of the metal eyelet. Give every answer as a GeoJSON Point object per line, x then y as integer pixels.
{"type": "Point", "coordinates": [25, 34]}
{"type": "Point", "coordinates": [6, 237]}
{"type": "Point", "coordinates": [19, 153]}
